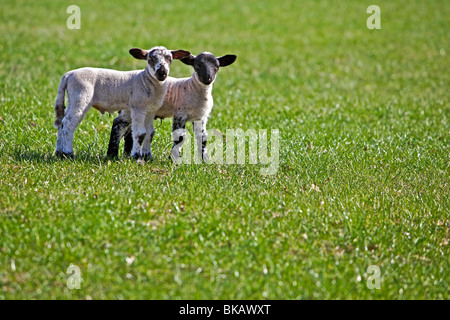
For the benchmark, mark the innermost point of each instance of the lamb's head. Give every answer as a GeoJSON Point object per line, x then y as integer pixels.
{"type": "Point", "coordinates": [206, 65]}
{"type": "Point", "coordinates": [159, 60]}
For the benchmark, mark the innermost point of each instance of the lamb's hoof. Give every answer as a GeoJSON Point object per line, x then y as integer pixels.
{"type": "Point", "coordinates": [64, 155]}
{"type": "Point", "coordinates": [139, 159]}
{"type": "Point", "coordinates": [148, 157]}
{"type": "Point", "coordinates": [112, 156]}
{"type": "Point", "coordinates": [69, 155]}
{"type": "Point", "coordinates": [136, 156]}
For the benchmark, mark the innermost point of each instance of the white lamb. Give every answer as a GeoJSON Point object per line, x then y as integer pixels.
{"type": "Point", "coordinates": [140, 92]}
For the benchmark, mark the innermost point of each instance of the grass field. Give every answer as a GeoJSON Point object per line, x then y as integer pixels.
{"type": "Point", "coordinates": [363, 177]}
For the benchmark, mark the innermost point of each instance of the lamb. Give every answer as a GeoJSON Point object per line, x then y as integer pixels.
{"type": "Point", "coordinates": [140, 92]}
{"type": "Point", "coordinates": [186, 99]}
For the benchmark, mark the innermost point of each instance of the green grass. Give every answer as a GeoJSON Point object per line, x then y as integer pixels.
{"type": "Point", "coordinates": [364, 160]}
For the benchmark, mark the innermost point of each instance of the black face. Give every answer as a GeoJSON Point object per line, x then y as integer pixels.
{"type": "Point", "coordinates": [206, 65]}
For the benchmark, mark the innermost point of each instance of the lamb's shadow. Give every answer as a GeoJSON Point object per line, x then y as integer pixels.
{"type": "Point", "coordinates": [50, 157]}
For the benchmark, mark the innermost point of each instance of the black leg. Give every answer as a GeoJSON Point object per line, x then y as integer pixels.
{"type": "Point", "coordinates": [128, 142]}
{"type": "Point", "coordinates": [119, 128]}
{"type": "Point", "coordinates": [205, 156]}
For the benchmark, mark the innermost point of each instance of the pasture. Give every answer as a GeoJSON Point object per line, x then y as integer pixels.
{"type": "Point", "coordinates": [363, 175]}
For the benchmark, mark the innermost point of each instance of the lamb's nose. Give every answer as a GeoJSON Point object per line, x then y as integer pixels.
{"type": "Point", "coordinates": [161, 73]}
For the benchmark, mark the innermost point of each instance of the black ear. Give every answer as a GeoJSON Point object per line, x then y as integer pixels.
{"type": "Point", "coordinates": [139, 53]}
{"type": "Point", "coordinates": [189, 60]}
{"type": "Point", "coordinates": [227, 60]}
{"type": "Point", "coordinates": [180, 54]}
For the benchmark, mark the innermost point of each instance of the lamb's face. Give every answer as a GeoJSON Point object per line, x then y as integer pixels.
{"type": "Point", "coordinates": [206, 65]}
{"type": "Point", "coordinates": [159, 60]}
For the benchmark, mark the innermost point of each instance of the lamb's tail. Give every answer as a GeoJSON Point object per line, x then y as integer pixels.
{"type": "Point", "coordinates": [59, 103]}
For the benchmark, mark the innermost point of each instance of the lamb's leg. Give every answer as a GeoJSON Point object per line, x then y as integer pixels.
{"type": "Point", "coordinates": [74, 115]}
{"type": "Point", "coordinates": [121, 125]}
{"type": "Point", "coordinates": [178, 134]}
{"type": "Point", "coordinates": [128, 142]}
{"type": "Point", "coordinates": [138, 131]}
{"type": "Point", "coordinates": [147, 145]}
{"type": "Point", "coordinates": [59, 143]}
{"type": "Point", "coordinates": [201, 137]}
